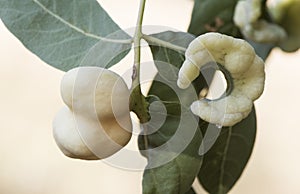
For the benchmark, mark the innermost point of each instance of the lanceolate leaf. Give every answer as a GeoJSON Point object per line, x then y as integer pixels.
{"type": "Point", "coordinates": [61, 32]}
{"type": "Point", "coordinates": [224, 163]}
{"type": "Point", "coordinates": [179, 134]}
{"type": "Point", "coordinates": [213, 15]}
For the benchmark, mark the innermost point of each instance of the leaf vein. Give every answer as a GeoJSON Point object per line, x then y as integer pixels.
{"type": "Point", "coordinates": [77, 28]}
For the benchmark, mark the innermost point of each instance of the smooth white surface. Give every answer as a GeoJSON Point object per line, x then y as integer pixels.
{"type": "Point", "coordinates": [31, 163]}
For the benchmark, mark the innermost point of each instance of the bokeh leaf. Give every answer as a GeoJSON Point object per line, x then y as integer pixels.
{"type": "Point", "coordinates": [213, 16]}
{"type": "Point", "coordinates": [61, 32]}
{"type": "Point", "coordinates": [224, 163]}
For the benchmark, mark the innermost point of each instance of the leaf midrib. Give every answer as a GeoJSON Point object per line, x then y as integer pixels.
{"type": "Point", "coordinates": [77, 28]}
{"type": "Point", "coordinates": [222, 170]}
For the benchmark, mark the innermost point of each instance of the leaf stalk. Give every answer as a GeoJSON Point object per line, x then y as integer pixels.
{"type": "Point", "coordinates": [138, 103]}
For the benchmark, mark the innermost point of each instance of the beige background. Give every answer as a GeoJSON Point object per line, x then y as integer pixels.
{"type": "Point", "coordinates": [30, 162]}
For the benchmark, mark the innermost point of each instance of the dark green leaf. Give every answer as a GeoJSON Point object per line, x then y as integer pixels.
{"type": "Point", "coordinates": [213, 15]}
{"type": "Point", "coordinates": [169, 149]}
{"type": "Point", "coordinates": [170, 170]}
{"type": "Point", "coordinates": [191, 191]}
{"type": "Point", "coordinates": [172, 178]}
{"type": "Point", "coordinates": [224, 163]}
{"type": "Point", "coordinates": [165, 58]}
{"type": "Point", "coordinates": [61, 32]}
{"type": "Point", "coordinates": [181, 39]}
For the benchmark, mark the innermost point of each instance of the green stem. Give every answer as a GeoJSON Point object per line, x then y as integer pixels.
{"type": "Point", "coordinates": [163, 43]}
{"type": "Point", "coordinates": [137, 45]}
{"type": "Point", "coordinates": [138, 103]}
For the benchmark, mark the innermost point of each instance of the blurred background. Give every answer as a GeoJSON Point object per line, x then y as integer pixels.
{"type": "Point", "coordinates": [31, 163]}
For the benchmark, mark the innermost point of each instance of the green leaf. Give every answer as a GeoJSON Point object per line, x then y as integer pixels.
{"type": "Point", "coordinates": [213, 15]}
{"type": "Point", "coordinates": [170, 56]}
{"type": "Point", "coordinates": [169, 149]}
{"type": "Point", "coordinates": [165, 58]}
{"type": "Point", "coordinates": [172, 178]}
{"type": "Point", "coordinates": [224, 163]}
{"type": "Point", "coordinates": [191, 191]}
{"type": "Point", "coordinates": [61, 32]}
{"type": "Point", "coordinates": [170, 170]}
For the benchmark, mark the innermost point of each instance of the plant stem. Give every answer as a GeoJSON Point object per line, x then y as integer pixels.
{"type": "Point", "coordinates": [160, 42]}
{"type": "Point", "coordinates": [138, 103]}
{"type": "Point", "coordinates": [137, 45]}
